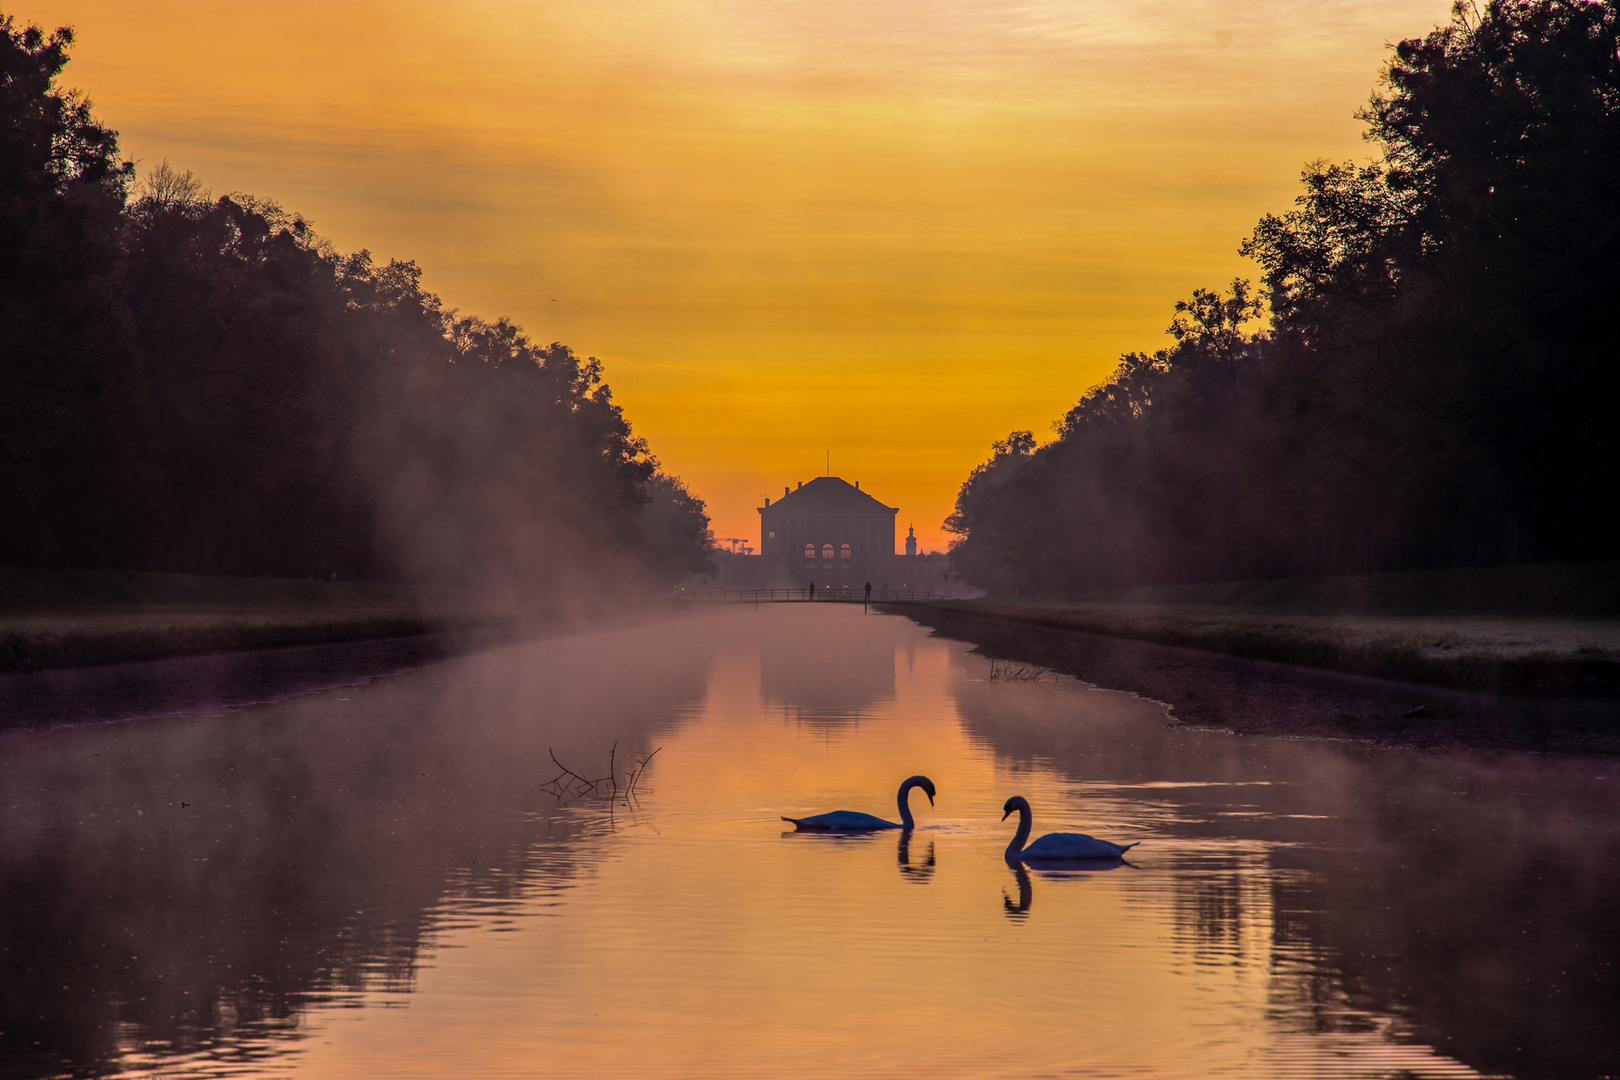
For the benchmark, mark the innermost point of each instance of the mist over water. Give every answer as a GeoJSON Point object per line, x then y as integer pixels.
{"type": "Point", "coordinates": [377, 880]}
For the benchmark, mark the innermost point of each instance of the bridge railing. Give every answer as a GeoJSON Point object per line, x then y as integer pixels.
{"type": "Point", "coordinates": [822, 595]}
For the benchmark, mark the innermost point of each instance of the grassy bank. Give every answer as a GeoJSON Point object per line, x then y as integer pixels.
{"type": "Point", "coordinates": [1542, 590]}
{"type": "Point", "coordinates": [70, 618]}
{"type": "Point", "coordinates": [1533, 630]}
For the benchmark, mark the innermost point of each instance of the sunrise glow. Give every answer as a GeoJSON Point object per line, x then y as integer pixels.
{"type": "Point", "coordinates": [892, 233]}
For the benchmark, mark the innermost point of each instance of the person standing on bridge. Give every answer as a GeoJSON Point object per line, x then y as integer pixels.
{"type": "Point", "coordinates": [812, 593]}
{"type": "Point", "coordinates": [868, 599]}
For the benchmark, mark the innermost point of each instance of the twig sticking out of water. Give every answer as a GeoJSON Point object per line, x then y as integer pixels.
{"type": "Point", "coordinates": [571, 784]}
{"type": "Point", "coordinates": [636, 774]}
{"type": "Point", "coordinates": [1007, 671]}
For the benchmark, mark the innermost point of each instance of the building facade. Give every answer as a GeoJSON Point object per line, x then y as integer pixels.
{"type": "Point", "coordinates": [831, 533]}
{"type": "Point", "coordinates": [831, 528]}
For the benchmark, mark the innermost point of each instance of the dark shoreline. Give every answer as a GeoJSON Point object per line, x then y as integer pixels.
{"type": "Point", "coordinates": [196, 683]}
{"type": "Point", "coordinates": [71, 641]}
{"type": "Point", "coordinates": [200, 683]}
{"type": "Point", "coordinates": [1264, 697]}
{"type": "Point", "coordinates": [59, 619]}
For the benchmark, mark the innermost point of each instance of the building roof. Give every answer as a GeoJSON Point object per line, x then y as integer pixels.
{"type": "Point", "coordinates": [829, 495]}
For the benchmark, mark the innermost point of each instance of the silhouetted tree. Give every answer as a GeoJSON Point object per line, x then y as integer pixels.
{"type": "Point", "coordinates": [1437, 385]}
{"type": "Point", "coordinates": [204, 384]}
{"type": "Point", "coordinates": [675, 528]}
{"type": "Point", "coordinates": [77, 479]}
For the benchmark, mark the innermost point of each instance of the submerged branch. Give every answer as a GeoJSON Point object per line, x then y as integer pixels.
{"type": "Point", "coordinates": [571, 784]}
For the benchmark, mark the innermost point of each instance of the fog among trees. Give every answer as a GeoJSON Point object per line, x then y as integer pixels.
{"type": "Point", "coordinates": [1438, 379]}
{"type": "Point", "coordinates": [202, 384]}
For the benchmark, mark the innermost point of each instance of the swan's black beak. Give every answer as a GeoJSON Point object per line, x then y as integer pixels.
{"type": "Point", "coordinates": [1004, 816]}
{"type": "Point", "coordinates": [930, 798]}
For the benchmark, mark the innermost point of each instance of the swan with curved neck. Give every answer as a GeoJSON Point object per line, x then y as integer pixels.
{"type": "Point", "coordinates": [1057, 845]}
{"type": "Point", "coordinates": [854, 821]}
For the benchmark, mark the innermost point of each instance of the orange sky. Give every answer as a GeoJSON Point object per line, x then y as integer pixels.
{"type": "Point", "coordinates": [891, 230]}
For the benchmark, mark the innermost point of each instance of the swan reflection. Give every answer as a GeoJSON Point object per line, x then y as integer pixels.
{"type": "Point", "coordinates": [921, 873]}
{"type": "Point", "coordinates": [1052, 870]}
{"type": "Point", "coordinates": [1026, 893]}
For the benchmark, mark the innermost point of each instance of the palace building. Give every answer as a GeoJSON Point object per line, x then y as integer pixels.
{"type": "Point", "coordinates": [829, 532]}
{"type": "Point", "coordinates": [832, 527]}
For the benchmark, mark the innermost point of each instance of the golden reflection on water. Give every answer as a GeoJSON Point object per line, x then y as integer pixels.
{"type": "Point", "coordinates": [379, 883]}
{"type": "Point", "coordinates": [706, 941]}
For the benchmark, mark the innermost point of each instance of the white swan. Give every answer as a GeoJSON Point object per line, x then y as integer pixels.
{"type": "Point", "coordinates": [854, 821]}
{"type": "Point", "coordinates": [1057, 845]}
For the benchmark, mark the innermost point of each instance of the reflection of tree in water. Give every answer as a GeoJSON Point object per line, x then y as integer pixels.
{"type": "Point", "coordinates": [1302, 987]}
{"type": "Point", "coordinates": [827, 673]}
{"type": "Point", "coordinates": [1209, 911]}
{"type": "Point", "coordinates": [1467, 899]}
{"type": "Point", "coordinates": [1492, 940]}
{"type": "Point", "coordinates": [325, 844]}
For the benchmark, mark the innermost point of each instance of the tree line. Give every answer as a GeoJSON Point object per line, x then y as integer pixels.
{"type": "Point", "coordinates": [204, 385]}
{"type": "Point", "coordinates": [1428, 374]}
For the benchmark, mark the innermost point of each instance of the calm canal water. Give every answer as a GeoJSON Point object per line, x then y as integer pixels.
{"type": "Point", "coordinates": [378, 881]}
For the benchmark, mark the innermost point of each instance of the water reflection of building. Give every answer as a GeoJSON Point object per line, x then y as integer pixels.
{"type": "Point", "coordinates": [794, 672]}
{"type": "Point", "coordinates": [830, 532]}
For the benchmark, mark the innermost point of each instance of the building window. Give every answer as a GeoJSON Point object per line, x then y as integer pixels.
{"type": "Point", "coordinates": [826, 551]}
{"type": "Point", "coordinates": [773, 536]}
{"type": "Point", "coordinates": [843, 552]}
{"type": "Point", "coordinates": [809, 551]}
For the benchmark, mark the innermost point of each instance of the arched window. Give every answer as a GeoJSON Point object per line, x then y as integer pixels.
{"type": "Point", "coordinates": [843, 552]}
{"type": "Point", "coordinates": [809, 551]}
{"type": "Point", "coordinates": [826, 551]}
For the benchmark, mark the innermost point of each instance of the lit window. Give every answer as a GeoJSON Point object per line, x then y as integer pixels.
{"type": "Point", "coordinates": [826, 551]}
{"type": "Point", "coordinates": [773, 536]}
{"type": "Point", "coordinates": [809, 551]}
{"type": "Point", "coordinates": [843, 552]}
